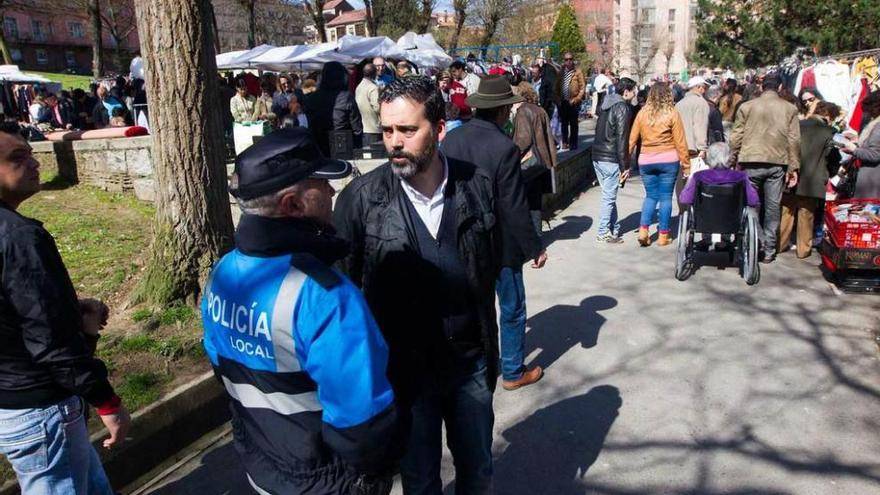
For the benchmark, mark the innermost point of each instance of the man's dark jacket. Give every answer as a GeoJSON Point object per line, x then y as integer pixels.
{"type": "Point", "coordinates": [716, 126]}
{"type": "Point", "coordinates": [546, 99]}
{"type": "Point", "coordinates": [44, 355]}
{"type": "Point", "coordinates": [372, 214]}
{"type": "Point", "coordinates": [612, 131]}
{"type": "Point", "coordinates": [332, 108]}
{"type": "Point", "coordinates": [484, 145]}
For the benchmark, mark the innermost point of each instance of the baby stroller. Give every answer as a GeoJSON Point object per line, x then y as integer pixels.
{"type": "Point", "coordinates": [719, 209]}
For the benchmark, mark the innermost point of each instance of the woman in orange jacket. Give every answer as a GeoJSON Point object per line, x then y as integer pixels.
{"type": "Point", "coordinates": [664, 149]}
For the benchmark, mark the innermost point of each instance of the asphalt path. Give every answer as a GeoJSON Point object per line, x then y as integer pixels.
{"type": "Point", "coordinates": [655, 386]}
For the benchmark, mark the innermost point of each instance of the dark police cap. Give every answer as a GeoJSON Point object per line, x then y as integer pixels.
{"type": "Point", "coordinates": [279, 160]}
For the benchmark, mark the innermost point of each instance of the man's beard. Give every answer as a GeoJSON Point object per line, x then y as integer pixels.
{"type": "Point", "coordinates": [415, 164]}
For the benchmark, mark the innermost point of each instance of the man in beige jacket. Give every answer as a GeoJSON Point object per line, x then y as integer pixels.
{"type": "Point", "coordinates": [694, 112]}
{"type": "Point", "coordinates": [366, 95]}
{"type": "Point", "coordinates": [766, 139]}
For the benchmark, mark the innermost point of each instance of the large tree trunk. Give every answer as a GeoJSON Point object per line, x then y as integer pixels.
{"type": "Point", "coordinates": [315, 9]}
{"type": "Point", "coordinates": [371, 22]}
{"type": "Point", "coordinates": [424, 24]}
{"type": "Point", "coordinates": [97, 40]}
{"type": "Point", "coordinates": [193, 225]}
{"type": "Point", "coordinates": [460, 16]}
{"type": "Point", "coordinates": [252, 23]}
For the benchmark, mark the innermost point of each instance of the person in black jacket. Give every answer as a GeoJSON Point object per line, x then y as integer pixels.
{"type": "Point", "coordinates": [482, 143]}
{"type": "Point", "coordinates": [544, 87]}
{"type": "Point", "coordinates": [716, 124]}
{"type": "Point", "coordinates": [422, 234]}
{"type": "Point", "coordinates": [333, 108]}
{"type": "Point", "coordinates": [610, 157]}
{"type": "Point", "coordinates": [47, 344]}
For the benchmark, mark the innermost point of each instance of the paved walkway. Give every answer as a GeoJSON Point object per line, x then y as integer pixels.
{"type": "Point", "coordinates": [655, 386]}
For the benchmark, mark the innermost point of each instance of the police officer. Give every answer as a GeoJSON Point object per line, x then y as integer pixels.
{"type": "Point", "coordinates": [292, 340]}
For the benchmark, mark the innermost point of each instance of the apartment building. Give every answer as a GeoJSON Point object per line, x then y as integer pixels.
{"type": "Point", "coordinates": [653, 37]}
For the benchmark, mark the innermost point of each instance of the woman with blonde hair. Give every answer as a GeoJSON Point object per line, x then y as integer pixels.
{"type": "Point", "coordinates": [663, 150]}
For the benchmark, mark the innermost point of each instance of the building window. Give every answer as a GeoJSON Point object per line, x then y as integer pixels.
{"type": "Point", "coordinates": [647, 16]}
{"type": "Point", "coordinates": [39, 31]}
{"type": "Point", "coordinates": [75, 29]}
{"type": "Point", "coordinates": [42, 56]}
{"type": "Point", "coordinates": [70, 58]}
{"type": "Point", "coordinates": [331, 34]}
{"type": "Point", "coordinates": [15, 53]}
{"type": "Point", "coordinates": [10, 25]}
{"type": "Point", "coordinates": [671, 15]}
{"type": "Point", "coordinates": [672, 29]}
{"type": "Point", "coordinates": [349, 29]}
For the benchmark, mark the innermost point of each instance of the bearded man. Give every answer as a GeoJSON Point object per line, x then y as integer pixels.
{"type": "Point", "coordinates": [422, 229]}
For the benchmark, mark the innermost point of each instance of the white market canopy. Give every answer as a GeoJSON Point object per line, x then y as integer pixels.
{"type": "Point", "coordinates": [10, 73]}
{"type": "Point", "coordinates": [421, 50]}
{"type": "Point", "coordinates": [240, 59]}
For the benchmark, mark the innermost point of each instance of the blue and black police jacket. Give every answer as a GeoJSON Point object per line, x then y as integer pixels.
{"type": "Point", "coordinates": [304, 364]}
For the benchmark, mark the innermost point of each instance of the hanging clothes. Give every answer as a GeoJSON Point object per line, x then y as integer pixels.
{"type": "Point", "coordinates": [854, 118]}
{"type": "Point", "coordinates": [833, 81]}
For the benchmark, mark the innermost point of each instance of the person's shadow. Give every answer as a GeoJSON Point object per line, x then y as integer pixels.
{"type": "Point", "coordinates": [557, 329]}
{"type": "Point", "coordinates": [551, 450]}
{"type": "Point", "coordinates": [572, 227]}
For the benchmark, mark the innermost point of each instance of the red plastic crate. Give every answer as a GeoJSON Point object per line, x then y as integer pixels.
{"type": "Point", "coordinates": [862, 235]}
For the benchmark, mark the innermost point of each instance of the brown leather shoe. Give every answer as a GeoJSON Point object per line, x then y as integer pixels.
{"type": "Point", "coordinates": [528, 377]}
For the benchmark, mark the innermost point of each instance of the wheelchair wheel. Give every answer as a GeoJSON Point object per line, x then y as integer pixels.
{"type": "Point", "coordinates": [750, 269]}
{"type": "Point", "coordinates": [684, 248]}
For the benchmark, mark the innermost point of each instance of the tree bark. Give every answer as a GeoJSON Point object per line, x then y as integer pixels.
{"type": "Point", "coordinates": [371, 22]}
{"type": "Point", "coordinates": [316, 11]}
{"type": "Point", "coordinates": [460, 7]}
{"type": "Point", "coordinates": [427, 9]}
{"type": "Point", "coordinates": [4, 48]}
{"type": "Point", "coordinates": [97, 40]}
{"type": "Point", "coordinates": [193, 225]}
{"type": "Point", "coordinates": [252, 23]}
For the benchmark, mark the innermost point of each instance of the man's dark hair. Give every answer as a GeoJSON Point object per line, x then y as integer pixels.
{"type": "Point", "coordinates": [626, 84]}
{"type": "Point", "coordinates": [458, 64]}
{"type": "Point", "coordinates": [491, 114]}
{"type": "Point", "coordinates": [871, 105]}
{"type": "Point", "coordinates": [771, 82]}
{"type": "Point", "coordinates": [452, 111]}
{"type": "Point", "coordinates": [78, 93]}
{"type": "Point", "coordinates": [10, 127]}
{"type": "Point", "coordinates": [369, 71]}
{"type": "Point", "coordinates": [419, 89]}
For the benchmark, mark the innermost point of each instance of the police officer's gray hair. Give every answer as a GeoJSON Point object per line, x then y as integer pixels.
{"type": "Point", "coordinates": [266, 205]}
{"type": "Point", "coordinates": [718, 155]}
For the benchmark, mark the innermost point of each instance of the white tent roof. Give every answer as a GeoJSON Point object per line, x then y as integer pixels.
{"type": "Point", "coordinates": [224, 59]}
{"type": "Point", "coordinates": [241, 60]}
{"type": "Point", "coordinates": [10, 73]}
{"type": "Point", "coordinates": [422, 50]}
{"type": "Point", "coordinates": [360, 47]}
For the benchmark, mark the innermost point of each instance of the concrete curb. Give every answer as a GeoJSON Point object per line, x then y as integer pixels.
{"type": "Point", "coordinates": [160, 430]}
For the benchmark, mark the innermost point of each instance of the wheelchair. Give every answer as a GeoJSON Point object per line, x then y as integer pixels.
{"type": "Point", "coordinates": [719, 209]}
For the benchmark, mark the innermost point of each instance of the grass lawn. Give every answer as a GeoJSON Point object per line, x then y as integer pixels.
{"type": "Point", "coordinates": [103, 238]}
{"type": "Point", "coordinates": [68, 81]}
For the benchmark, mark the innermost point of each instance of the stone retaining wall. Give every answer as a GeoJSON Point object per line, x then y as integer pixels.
{"type": "Point", "coordinates": [118, 165]}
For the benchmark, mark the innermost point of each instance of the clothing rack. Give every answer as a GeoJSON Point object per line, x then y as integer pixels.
{"type": "Point", "coordinates": [860, 53]}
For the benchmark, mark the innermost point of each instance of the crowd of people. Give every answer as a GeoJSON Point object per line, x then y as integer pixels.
{"type": "Point", "coordinates": [347, 338]}
{"type": "Point", "coordinates": [111, 103]}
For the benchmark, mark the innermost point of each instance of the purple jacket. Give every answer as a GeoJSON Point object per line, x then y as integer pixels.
{"type": "Point", "coordinates": [718, 177]}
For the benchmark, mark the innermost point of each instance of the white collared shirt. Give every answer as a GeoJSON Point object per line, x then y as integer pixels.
{"type": "Point", "coordinates": [430, 210]}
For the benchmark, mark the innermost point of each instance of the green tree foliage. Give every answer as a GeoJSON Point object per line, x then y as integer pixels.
{"type": "Point", "coordinates": [755, 33]}
{"type": "Point", "coordinates": [568, 34]}
{"type": "Point", "coordinates": [396, 17]}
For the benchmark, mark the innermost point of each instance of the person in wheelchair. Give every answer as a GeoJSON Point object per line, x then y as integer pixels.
{"type": "Point", "coordinates": [719, 173]}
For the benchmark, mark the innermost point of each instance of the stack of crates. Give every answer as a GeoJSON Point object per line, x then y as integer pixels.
{"type": "Point", "coordinates": [851, 247]}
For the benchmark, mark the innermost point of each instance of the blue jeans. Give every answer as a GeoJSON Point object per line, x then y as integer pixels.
{"type": "Point", "coordinates": [462, 400]}
{"type": "Point", "coordinates": [659, 181]}
{"type": "Point", "coordinates": [512, 301]}
{"type": "Point", "coordinates": [50, 451]}
{"type": "Point", "coordinates": [608, 175]}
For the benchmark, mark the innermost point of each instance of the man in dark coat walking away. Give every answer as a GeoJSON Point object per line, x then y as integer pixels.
{"type": "Point", "coordinates": [422, 232]}
{"type": "Point", "coordinates": [482, 143]}
{"type": "Point", "coordinates": [333, 108]}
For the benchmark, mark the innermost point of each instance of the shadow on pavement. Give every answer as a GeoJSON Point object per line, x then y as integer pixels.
{"type": "Point", "coordinates": [221, 473]}
{"type": "Point", "coordinates": [557, 329]}
{"type": "Point", "coordinates": [572, 227]}
{"type": "Point", "coordinates": [551, 450]}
